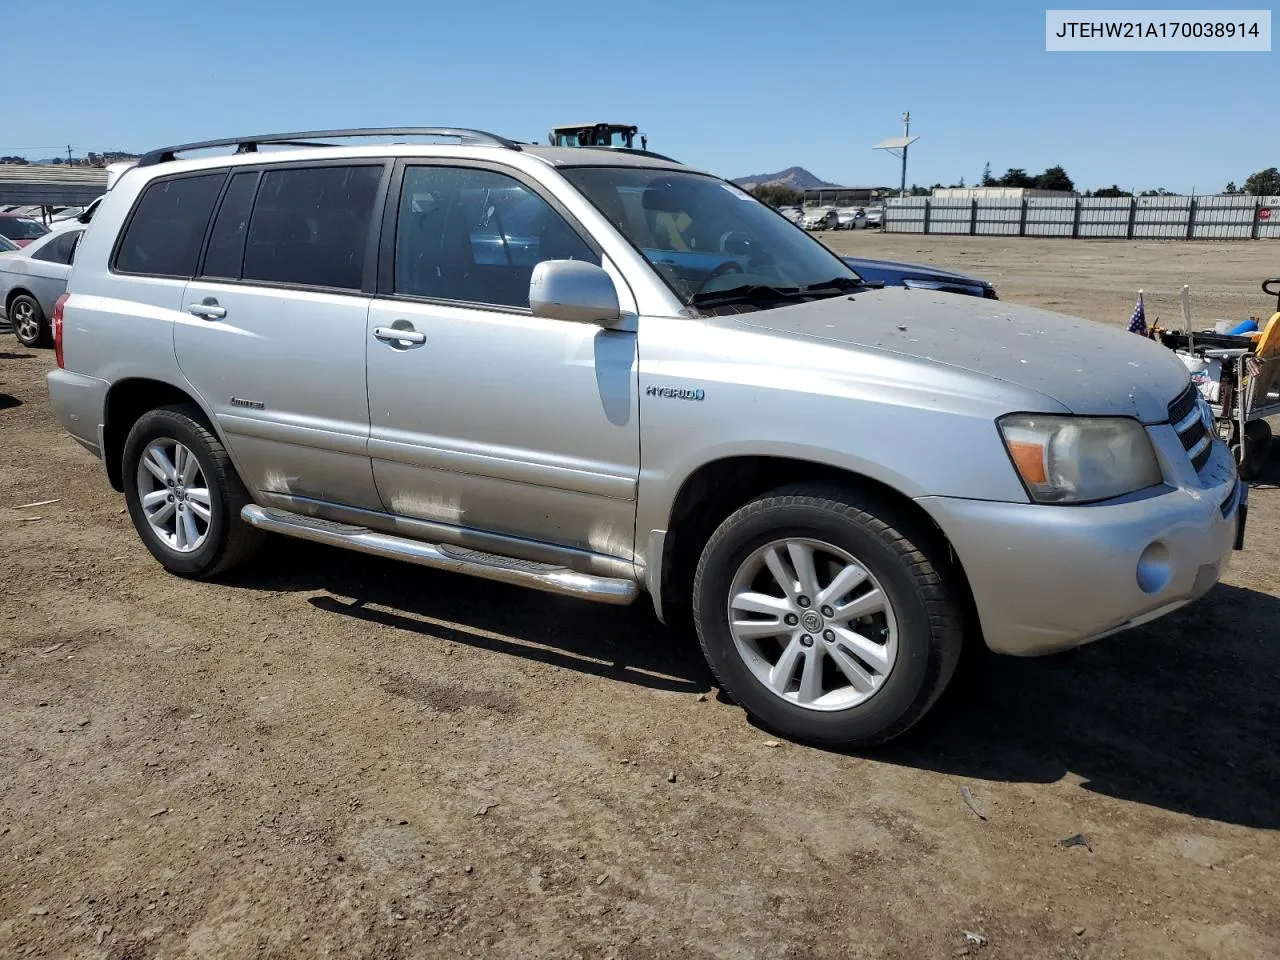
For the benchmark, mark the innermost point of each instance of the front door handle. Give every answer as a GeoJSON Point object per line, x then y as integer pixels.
{"type": "Point", "coordinates": [207, 309]}
{"type": "Point", "coordinates": [398, 337]}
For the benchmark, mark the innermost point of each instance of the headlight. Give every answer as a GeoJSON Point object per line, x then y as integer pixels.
{"type": "Point", "coordinates": [1079, 459]}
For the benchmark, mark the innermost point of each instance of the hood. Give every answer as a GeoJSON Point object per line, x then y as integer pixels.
{"type": "Point", "coordinates": [895, 271]}
{"type": "Point", "coordinates": [1089, 368]}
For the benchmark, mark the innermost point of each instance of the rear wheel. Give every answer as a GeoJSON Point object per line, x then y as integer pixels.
{"type": "Point", "coordinates": [29, 324]}
{"type": "Point", "coordinates": [184, 495]}
{"type": "Point", "coordinates": [820, 613]}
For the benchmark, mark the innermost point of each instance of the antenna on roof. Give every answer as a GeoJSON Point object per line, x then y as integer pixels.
{"type": "Point", "coordinates": [896, 144]}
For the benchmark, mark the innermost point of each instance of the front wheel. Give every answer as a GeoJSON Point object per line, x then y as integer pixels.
{"type": "Point", "coordinates": [820, 612]}
{"type": "Point", "coordinates": [184, 495]}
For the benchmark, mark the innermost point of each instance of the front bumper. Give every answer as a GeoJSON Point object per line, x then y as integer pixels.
{"type": "Point", "coordinates": [1047, 578]}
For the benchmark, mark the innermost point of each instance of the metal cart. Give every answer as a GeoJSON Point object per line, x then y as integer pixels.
{"type": "Point", "coordinates": [1242, 387]}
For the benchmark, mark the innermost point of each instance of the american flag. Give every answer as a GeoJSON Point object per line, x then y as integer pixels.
{"type": "Point", "coordinates": [1138, 320]}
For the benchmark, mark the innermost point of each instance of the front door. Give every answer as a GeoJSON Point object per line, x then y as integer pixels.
{"type": "Point", "coordinates": [272, 330]}
{"type": "Point", "coordinates": [482, 416]}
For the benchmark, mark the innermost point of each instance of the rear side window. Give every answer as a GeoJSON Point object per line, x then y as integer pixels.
{"type": "Point", "coordinates": [226, 242]}
{"type": "Point", "coordinates": [310, 226]}
{"type": "Point", "coordinates": [61, 249]}
{"type": "Point", "coordinates": [163, 236]}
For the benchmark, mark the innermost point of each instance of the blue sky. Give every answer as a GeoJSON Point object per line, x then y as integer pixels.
{"type": "Point", "coordinates": [740, 88]}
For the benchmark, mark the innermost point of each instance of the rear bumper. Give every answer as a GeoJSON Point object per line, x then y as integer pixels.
{"type": "Point", "coordinates": [1047, 578]}
{"type": "Point", "coordinates": [79, 402]}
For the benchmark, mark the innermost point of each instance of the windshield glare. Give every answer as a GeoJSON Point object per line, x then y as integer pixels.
{"type": "Point", "coordinates": [20, 228]}
{"type": "Point", "coordinates": [704, 235]}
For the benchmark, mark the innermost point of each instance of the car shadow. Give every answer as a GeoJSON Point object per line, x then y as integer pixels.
{"type": "Point", "coordinates": [1180, 714]}
{"type": "Point", "coordinates": [6, 355]}
{"type": "Point", "coordinates": [617, 643]}
{"type": "Point", "coordinates": [8, 400]}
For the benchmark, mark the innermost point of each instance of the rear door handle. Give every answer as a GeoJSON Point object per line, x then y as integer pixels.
{"type": "Point", "coordinates": [207, 309]}
{"type": "Point", "coordinates": [396, 336]}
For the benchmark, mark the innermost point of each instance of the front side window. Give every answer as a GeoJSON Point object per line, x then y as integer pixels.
{"type": "Point", "coordinates": [475, 236]}
{"type": "Point", "coordinates": [164, 234]}
{"type": "Point", "coordinates": [22, 228]}
{"type": "Point", "coordinates": [310, 226]}
{"type": "Point", "coordinates": [706, 237]}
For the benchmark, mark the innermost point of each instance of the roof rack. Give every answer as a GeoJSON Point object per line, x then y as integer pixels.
{"type": "Point", "coordinates": [307, 138]}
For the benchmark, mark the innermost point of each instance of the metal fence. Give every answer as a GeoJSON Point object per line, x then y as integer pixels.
{"type": "Point", "coordinates": [1132, 218]}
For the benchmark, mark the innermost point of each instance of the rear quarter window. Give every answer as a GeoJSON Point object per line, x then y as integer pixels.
{"type": "Point", "coordinates": [163, 235]}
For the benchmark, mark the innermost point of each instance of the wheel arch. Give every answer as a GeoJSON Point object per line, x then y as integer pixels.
{"type": "Point", "coordinates": [17, 292]}
{"type": "Point", "coordinates": [717, 488]}
{"type": "Point", "coordinates": [129, 399]}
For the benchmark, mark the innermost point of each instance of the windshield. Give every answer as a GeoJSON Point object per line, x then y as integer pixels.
{"type": "Point", "coordinates": [21, 228]}
{"type": "Point", "coordinates": [704, 235]}
{"type": "Point", "coordinates": [7, 245]}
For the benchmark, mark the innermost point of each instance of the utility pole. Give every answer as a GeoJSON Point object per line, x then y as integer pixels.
{"type": "Point", "coordinates": [69, 155]}
{"type": "Point", "coordinates": [898, 147]}
{"type": "Point", "coordinates": [906, 136]}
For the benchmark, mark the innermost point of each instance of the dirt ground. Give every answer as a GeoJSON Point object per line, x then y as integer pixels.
{"type": "Point", "coordinates": [330, 755]}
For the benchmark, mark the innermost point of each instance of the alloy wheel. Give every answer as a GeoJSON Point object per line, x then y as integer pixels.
{"type": "Point", "coordinates": [174, 495]}
{"type": "Point", "coordinates": [812, 624]}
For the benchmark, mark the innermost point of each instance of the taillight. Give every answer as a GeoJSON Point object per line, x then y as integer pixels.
{"type": "Point", "coordinates": [57, 327]}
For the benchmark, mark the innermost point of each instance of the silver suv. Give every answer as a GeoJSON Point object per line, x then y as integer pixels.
{"type": "Point", "coordinates": [598, 372]}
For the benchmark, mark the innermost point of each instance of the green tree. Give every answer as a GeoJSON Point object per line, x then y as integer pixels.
{"type": "Point", "coordinates": [778, 195]}
{"type": "Point", "coordinates": [1112, 191]}
{"type": "Point", "coordinates": [1016, 177]}
{"type": "Point", "coordinates": [1054, 178]}
{"type": "Point", "coordinates": [987, 179]}
{"type": "Point", "coordinates": [1231, 188]}
{"type": "Point", "coordinates": [1264, 183]}
{"type": "Point", "coordinates": [1157, 192]}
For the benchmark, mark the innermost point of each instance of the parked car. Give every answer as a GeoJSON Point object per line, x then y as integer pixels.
{"type": "Point", "coordinates": [851, 218]}
{"type": "Point", "coordinates": [822, 218]}
{"type": "Point", "coordinates": [31, 281]}
{"type": "Point", "coordinates": [7, 245]}
{"type": "Point", "coordinates": [875, 217]}
{"type": "Point", "coordinates": [668, 390]}
{"type": "Point", "coordinates": [895, 274]}
{"type": "Point", "coordinates": [20, 228]}
{"type": "Point", "coordinates": [791, 213]}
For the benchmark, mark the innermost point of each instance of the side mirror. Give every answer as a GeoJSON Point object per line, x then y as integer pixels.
{"type": "Point", "coordinates": [573, 290]}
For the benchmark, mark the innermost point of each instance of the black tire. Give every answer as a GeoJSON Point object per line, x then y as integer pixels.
{"type": "Point", "coordinates": [1257, 449]}
{"type": "Point", "coordinates": [896, 551]}
{"type": "Point", "coordinates": [229, 541]}
{"type": "Point", "coordinates": [43, 336]}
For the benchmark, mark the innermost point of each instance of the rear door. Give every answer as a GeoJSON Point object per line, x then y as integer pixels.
{"type": "Point", "coordinates": [273, 327]}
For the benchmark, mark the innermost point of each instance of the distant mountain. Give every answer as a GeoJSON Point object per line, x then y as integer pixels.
{"type": "Point", "coordinates": [797, 178]}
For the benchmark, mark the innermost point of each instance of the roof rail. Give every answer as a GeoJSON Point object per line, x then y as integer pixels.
{"type": "Point", "coordinates": [306, 138]}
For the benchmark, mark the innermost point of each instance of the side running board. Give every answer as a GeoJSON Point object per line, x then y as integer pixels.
{"type": "Point", "coordinates": [524, 573]}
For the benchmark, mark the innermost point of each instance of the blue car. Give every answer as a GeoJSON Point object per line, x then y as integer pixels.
{"type": "Point", "coordinates": [895, 274]}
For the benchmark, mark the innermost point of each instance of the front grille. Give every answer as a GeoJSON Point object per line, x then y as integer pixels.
{"type": "Point", "coordinates": [1184, 414]}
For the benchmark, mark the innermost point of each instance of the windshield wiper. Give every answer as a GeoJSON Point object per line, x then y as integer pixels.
{"type": "Point", "coordinates": [747, 292]}
{"type": "Point", "coordinates": [835, 283]}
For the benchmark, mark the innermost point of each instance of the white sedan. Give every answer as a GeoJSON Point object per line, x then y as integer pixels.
{"type": "Point", "coordinates": [819, 219]}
